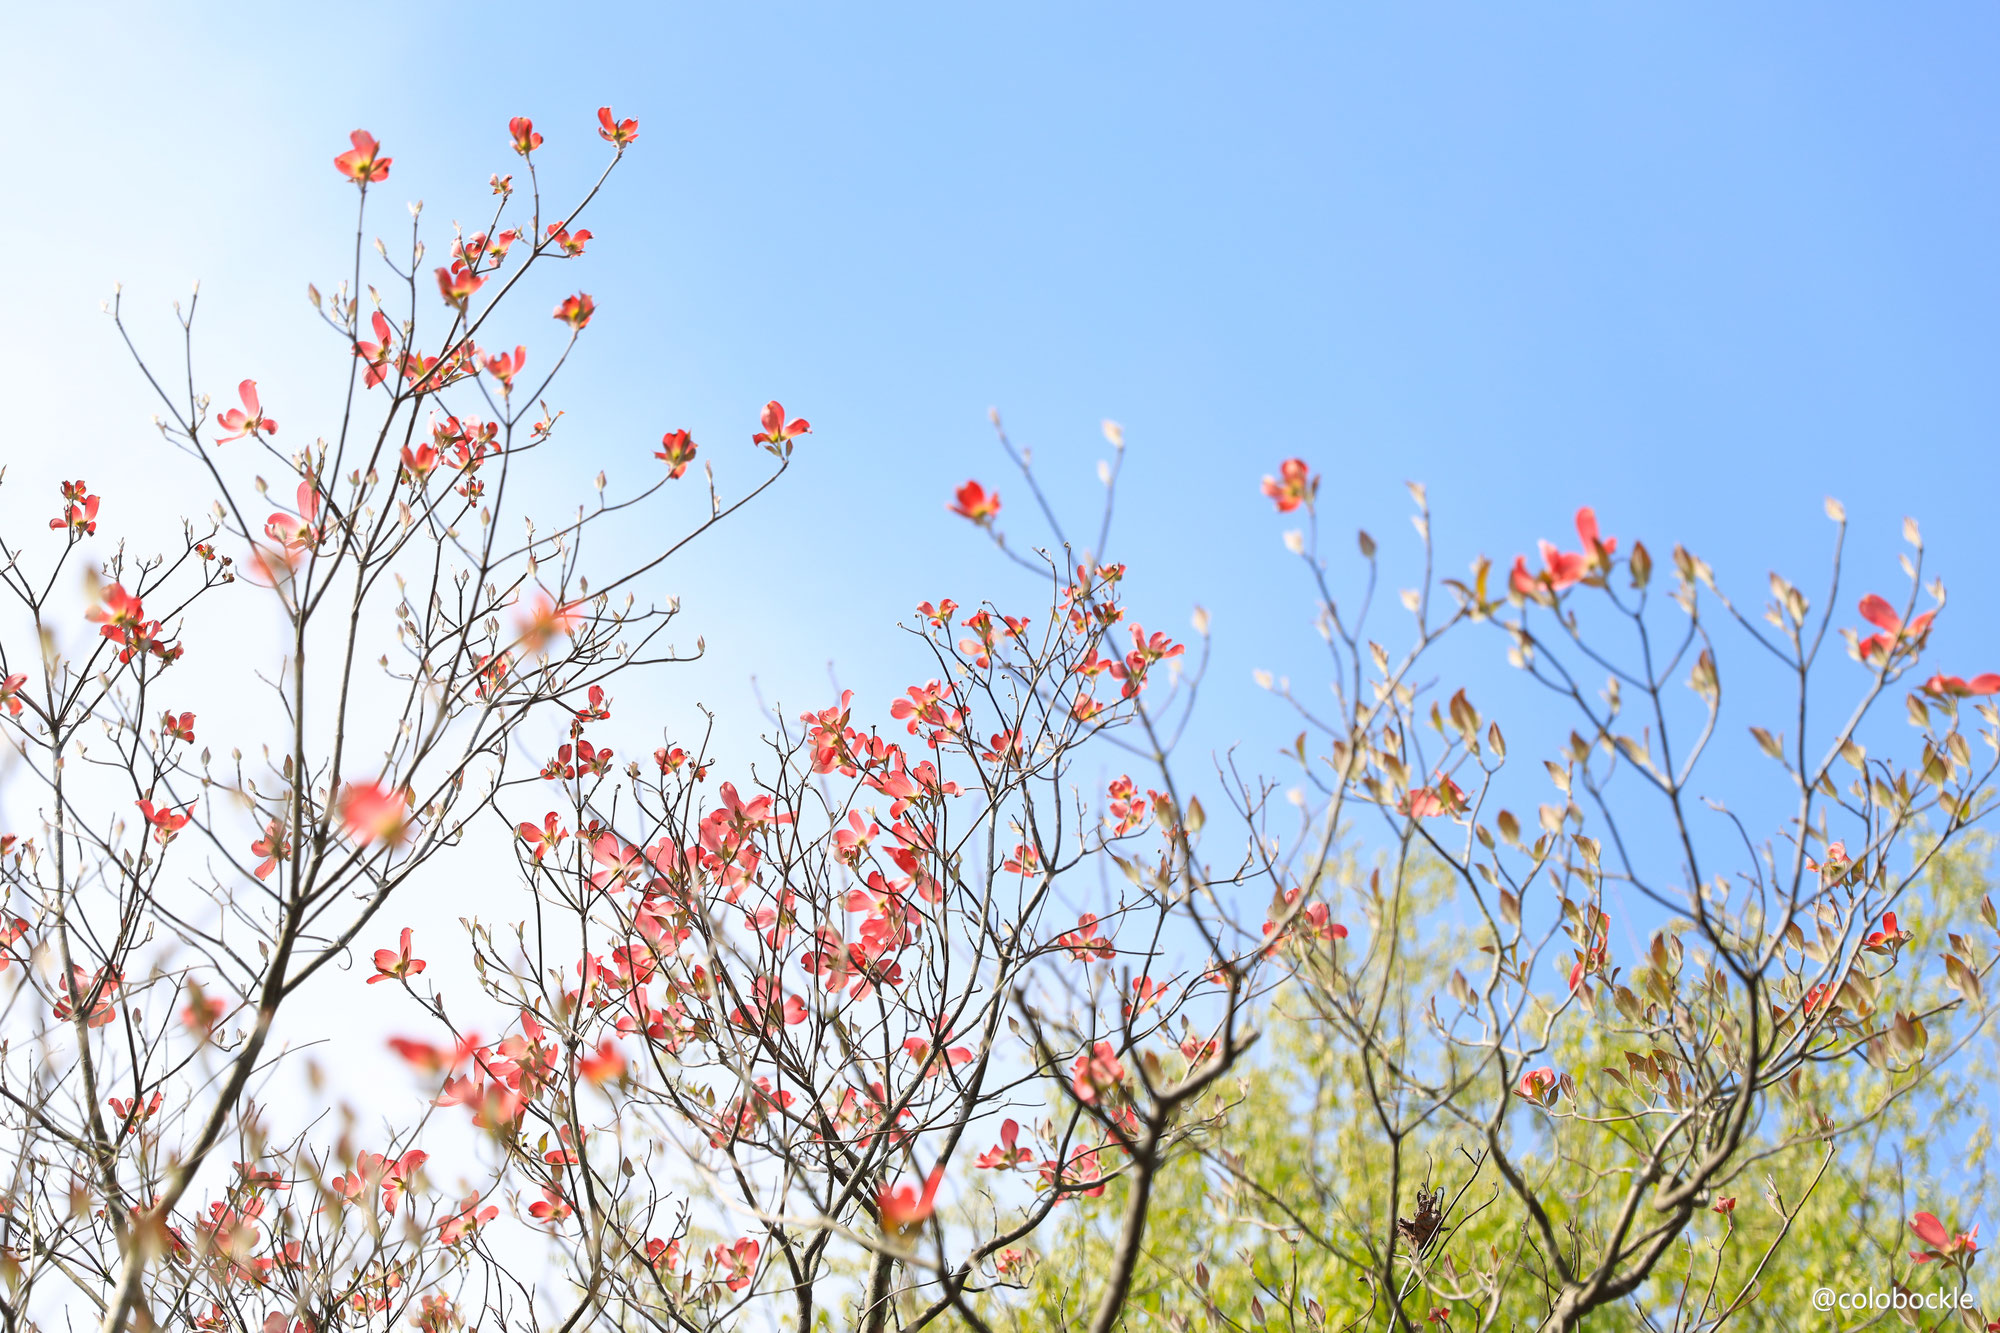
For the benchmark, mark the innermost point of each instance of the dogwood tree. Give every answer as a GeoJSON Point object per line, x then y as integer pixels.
{"type": "Point", "coordinates": [758, 1026]}
{"type": "Point", "coordinates": [1505, 1116]}
{"type": "Point", "coordinates": [855, 1031]}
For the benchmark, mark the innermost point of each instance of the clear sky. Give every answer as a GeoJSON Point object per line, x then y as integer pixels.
{"type": "Point", "coordinates": [1699, 265]}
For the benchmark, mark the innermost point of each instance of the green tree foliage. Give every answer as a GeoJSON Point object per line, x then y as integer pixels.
{"type": "Point", "coordinates": [1273, 1221]}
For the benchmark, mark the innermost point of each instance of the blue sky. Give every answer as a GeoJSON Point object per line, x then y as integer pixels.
{"type": "Point", "coordinates": [1697, 266]}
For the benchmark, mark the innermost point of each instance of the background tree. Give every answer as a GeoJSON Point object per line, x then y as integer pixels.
{"type": "Point", "coordinates": [1498, 1122]}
